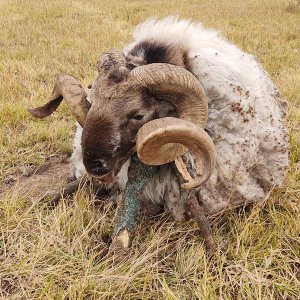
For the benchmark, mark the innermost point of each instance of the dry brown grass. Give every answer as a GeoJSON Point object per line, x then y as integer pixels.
{"type": "Point", "coordinates": [62, 252]}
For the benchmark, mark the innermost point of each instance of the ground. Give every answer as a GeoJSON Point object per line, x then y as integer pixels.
{"type": "Point", "coordinates": [63, 252]}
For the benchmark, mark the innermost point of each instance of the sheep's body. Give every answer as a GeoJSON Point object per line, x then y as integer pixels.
{"type": "Point", "coordinates": [245, 118]}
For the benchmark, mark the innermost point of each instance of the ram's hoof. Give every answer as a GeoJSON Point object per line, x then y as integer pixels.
{"type": "Point", "coordinates": [120, 242]}
{"type": "Point", "coordinates": [198, 213]}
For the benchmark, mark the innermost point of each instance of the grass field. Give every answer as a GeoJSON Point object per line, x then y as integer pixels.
{"type": "Point", "coordinates": [63, 252]}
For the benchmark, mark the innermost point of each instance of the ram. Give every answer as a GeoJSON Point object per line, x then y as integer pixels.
{"type": "Point", "coordinates": [179, 93]}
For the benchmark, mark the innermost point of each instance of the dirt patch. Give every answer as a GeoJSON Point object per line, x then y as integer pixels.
{"type": "Point", "coordinates": [51, 176]}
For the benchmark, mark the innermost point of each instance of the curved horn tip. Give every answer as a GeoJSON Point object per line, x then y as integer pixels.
{"type": "Point", "coordinates": [35, 112]}
{"type": "Point", "coordinates": [164, 140]}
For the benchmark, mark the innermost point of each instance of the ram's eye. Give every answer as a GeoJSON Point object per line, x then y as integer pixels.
{"type": "Point", "coordinates": [138, 117]}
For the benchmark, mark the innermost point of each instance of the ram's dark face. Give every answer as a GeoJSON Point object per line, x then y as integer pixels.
{"type": "Point", "coordinates": [120, 107]}
{"type": "Point", "coordinates": [118, 111]}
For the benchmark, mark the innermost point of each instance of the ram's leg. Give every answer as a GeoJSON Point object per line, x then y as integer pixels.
{"type": "Point", "coordinates": [67, 190]}
{"type": "Point", "coordinates": [197, 211]}
{"type": "Point", "coordinates": [138, 176]}
{"type": "Point", "coordinates": [126, 222]}
{"type": "Point", "coordinates": [90, 184]}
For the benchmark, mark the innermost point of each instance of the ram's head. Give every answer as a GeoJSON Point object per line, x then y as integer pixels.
{"type": "Point", "coordinates": [129, 110]}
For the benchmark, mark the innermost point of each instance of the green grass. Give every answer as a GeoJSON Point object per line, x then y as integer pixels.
{"type": "Point", "coordinates": [62, 253]}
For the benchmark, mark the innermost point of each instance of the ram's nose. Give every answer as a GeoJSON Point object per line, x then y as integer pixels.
{"type": "Point", "coordinates": [97, 167]}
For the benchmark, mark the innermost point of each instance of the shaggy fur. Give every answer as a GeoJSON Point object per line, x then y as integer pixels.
{"type": "Point", "coordinates": [246, 114]}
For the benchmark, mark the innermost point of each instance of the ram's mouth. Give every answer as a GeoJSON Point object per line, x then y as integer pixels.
{"type": "Point", "coordinates": [107, 178]}
{"type": "Point", "coordinates": [111, 177]}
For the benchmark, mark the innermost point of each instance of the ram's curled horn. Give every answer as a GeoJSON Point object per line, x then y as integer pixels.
{"type": "Point", "coordinates": [68, 88]}
{"type": "Point", "coordinates": [183, 89]}
{"type": "Point", "coordinates": [164, 140]}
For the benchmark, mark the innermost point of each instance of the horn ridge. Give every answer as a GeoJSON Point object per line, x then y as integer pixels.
{"type": "Point", "coordinates": [189, 96]}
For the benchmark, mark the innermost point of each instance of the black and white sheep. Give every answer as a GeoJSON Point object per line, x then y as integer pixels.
{"type": "Point", "coordinates": [245, 117]}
